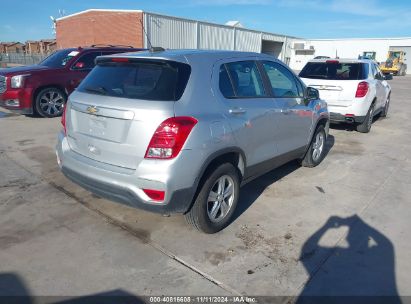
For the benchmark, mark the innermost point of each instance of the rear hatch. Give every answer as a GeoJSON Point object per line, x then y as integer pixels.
{"type": "Point", "coordinates": [336, 81]}
{"type": "Point", "coordinates": [115, 111]}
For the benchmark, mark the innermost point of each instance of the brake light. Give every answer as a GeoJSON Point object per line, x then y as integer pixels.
{"type": "Point", "coordinates": [118, 59]}
{"type": "Point", "coordinates": [362, 89]}
{"type": "Point", "coordinates": [332, 61]}
{"type": "Point", "coordinates": [155, 195]}
{"type": "Point", "coordinates": [63, 119]}
{"type": "Point", "coordinates": [169, 138]}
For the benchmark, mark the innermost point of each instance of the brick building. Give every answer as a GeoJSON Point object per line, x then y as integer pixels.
{"type": "Point", "coordinates": [127, 27]}
{"type": "Point", "coordinates": [116, 27]}
{"type": "Point", "coordinates": [12, 47]}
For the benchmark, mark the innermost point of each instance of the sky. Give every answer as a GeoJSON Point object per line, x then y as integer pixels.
{"type": "Point", "coordinates": [30, 19]}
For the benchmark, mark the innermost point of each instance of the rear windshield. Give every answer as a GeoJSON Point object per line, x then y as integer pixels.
{"type": "Point", "coordinates": [334, 71]}
{"type": "Point", "coordinates": [144, 79]}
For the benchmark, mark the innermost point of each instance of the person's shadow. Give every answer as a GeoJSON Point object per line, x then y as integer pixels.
{"type": "Point", "coordinates": [362, 272]}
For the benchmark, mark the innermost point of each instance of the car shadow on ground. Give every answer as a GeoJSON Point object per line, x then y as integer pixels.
{"type": "Point", "coordinates": [13, 290]}
{"type": "Point", "coordinates": [359, 270]}
{"type": "Point", "coordinates": [252, 190]}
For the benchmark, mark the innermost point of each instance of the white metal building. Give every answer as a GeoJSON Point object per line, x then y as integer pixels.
{"type": "Point", "coordinates": [177, 33]}
{"type": "Point", "coordinates": [304, 50]}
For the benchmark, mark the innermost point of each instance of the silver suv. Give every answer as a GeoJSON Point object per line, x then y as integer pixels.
{"type": "Point", "coordinates": [180, 131]}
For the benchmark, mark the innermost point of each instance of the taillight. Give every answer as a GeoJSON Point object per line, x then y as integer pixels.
{"type": "Point", "coordinates": [170, 136]}
{"type": "Point", "coordinates": [119, 59]}
{"type": "Point", "coordinates": [155, 195]}
{"type": "Point", "coordinates": [63, 119]}
{"type": "Point", "coordinates": [362, 89]}
{"type": "Point", "coordinates": [332, 61]}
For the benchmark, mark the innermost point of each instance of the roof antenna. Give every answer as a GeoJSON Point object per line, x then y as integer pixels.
{"type": "Point", "coordinates": [151, 48]}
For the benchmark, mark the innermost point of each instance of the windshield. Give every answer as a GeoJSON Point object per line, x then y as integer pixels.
{"type": "Point", "coordinates": [394, 55]}
{"type": "Point", "coordinates": [144, 79]}
{"type": "Point", "coordinates": [334, 71]}
{"type": "Point", "coordinates": [59, 58]}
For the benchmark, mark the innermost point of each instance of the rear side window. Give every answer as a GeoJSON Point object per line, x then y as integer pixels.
{"type": "Point", "coordinates": [226, 87]}
{"type": "Point", "coordinates": [241, 80]}
{"type": "Point", "coordinates": [144, 79]}
{"type": "Point", "coordinates": [282, 81]}
{"type": "Point", "coordinates": [334, 71]}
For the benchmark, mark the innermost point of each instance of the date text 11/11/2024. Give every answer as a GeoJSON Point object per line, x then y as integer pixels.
{"type": "Point", "coordinates": [202, 299]}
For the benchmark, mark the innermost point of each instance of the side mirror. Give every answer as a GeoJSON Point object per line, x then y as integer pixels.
{"type": "Point", "coordinates": [79, 65]}
{"type": "Point", "coordinates": [312, 94]}
{"type": "Point", "coordinates": [388, 77]}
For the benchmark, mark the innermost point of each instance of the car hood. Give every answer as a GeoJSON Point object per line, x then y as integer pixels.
{"type": "Point", "coordinates": [28, 69]}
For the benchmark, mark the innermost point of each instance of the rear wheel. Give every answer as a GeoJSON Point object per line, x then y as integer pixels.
{"type": "Point", "coordinates": [50, 102]}
{"type": "Point", "coordinates": [365, 126]}
{"type": "Point", "coordinates": [216, 202]}
{"type": "Point", "coordinates": [316, 151]}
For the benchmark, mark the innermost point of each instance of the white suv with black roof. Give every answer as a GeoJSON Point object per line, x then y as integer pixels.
{"type": "Point", "coordinates": [355, 90]}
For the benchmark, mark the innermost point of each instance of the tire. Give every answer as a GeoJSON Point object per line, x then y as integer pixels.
{"type": "Point", "coordinates": [50, 102]}
{"type": "Point", "coordinates": [365, 126]}
{"type": "Point", "coordinates": [207, 214]}
{"type": "Point", "coordinates": [384, 112]}
{"type": "Point", "coordinates": [316, 151]}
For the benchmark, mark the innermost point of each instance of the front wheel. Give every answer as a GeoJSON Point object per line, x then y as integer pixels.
{"type": "Point", "coordinates": [216, 202]}
{"type": "Point", "coordinates": [50, 102]}
{"type": "Point", "coordinates": [316, 150]}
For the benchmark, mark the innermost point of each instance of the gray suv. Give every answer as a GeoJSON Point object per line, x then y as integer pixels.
{"type": "Point", "coordinates": [181, 131]}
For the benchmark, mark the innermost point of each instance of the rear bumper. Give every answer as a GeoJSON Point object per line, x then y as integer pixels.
{"type": "Point", "coordinates": [127, 197]}
{"type": "Point", "coordinates": [340, 118]}
{"type": "Point", "coordinates": [124, 185]}
{"type": "Point", "coordinates": [389, 70]}
{"type": "Point", "coordinates": [17, 101]}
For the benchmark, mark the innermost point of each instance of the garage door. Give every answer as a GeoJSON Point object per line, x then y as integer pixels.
{"type": "Point", "coordinates": [406, 49]}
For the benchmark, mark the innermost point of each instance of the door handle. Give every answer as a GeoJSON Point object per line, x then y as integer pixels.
{"type": "Point", "coordinates": [285, 111]}
{"type": "Point", "coordinates": [237, 111]}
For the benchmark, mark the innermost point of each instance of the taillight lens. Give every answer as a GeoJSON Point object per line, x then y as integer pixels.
{"type": "Point", "coordinates": [170, 136]}
{"type": "Point", "coordinates": [362, 89]}
{"type": "Point", "coordinates": [63, 119]}
{"type": "Point", "coordinates": [119, 59]}
{"type": "Point", "coordinates": [155, 195]}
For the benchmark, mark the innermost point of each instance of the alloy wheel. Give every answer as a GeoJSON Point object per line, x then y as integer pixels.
{"type": "Point", "coordinates": [52, 102]}
{"type": "Point", "coordinates": [220, 198]}
{"type": "Point", "coordinates": [318, 146]}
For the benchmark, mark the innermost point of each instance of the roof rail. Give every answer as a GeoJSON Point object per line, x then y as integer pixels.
{"type": "Point", "coordinates": [111, 45]}
{"type": "Point", "coordinates": [154, 49]}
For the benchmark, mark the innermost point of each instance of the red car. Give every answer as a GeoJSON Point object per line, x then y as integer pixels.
{"type": "Point", "coordinates": [43, 88]}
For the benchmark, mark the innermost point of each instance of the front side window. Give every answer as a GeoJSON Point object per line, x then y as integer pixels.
{"type": "Point", "coordinates": [245, 80]}
{"type": "Point", "coordinates": [143, 79]}
{"type": "Point", "coordinates": [86, 62]}
{"type": "Point", "coordinates": [283, 82]}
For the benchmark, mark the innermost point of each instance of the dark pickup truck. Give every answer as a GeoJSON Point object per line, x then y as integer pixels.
{"type": "Point", "coordinates": [43, 88]}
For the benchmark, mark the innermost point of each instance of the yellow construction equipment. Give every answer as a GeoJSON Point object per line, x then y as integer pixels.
{"type": "Point", "coordinates": [395, 63]}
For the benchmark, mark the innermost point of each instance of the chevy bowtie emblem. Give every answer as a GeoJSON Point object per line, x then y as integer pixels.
{"type": "Point", "coordinates": [92, 110]}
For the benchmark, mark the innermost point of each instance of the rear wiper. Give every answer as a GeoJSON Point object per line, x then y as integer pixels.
{"type": "Point", "coordinates": [99, 90]}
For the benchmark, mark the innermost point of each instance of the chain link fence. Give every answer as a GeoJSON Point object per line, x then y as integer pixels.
{"type": "Point", "coordinates": [20, 59]}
